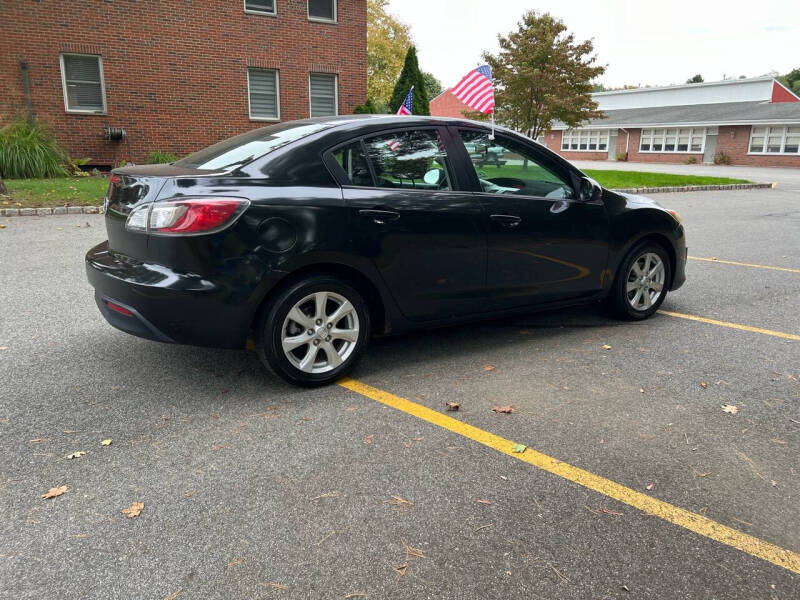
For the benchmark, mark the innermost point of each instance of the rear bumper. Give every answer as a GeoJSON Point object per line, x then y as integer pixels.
{"type": "Point", "coordinates": [170, 306]}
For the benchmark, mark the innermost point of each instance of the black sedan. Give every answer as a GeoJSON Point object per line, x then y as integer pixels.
{"type": "Point", "coordinates": [311, 236]}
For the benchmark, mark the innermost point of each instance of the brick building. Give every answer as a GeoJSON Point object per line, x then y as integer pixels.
{"type": "Point", "coordinates": [177, 75]}
{"type": "Point", "coordinates": [752, 121]}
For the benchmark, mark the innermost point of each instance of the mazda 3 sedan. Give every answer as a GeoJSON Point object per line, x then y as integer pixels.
{"type": "Point", "coordinates": [311, 236]}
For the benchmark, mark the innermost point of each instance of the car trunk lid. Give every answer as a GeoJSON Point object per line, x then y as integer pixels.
{"type": "Point", "coordinates": [130, 187]}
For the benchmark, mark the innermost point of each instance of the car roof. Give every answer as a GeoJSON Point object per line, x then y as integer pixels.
{"type": "Point", "coordinates": [354, 121]}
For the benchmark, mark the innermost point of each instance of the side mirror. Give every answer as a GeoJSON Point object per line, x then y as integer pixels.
{"type": "Point", "coordinates": [590, 190]}
{"type": "Point", "coordinates": [433, 177]}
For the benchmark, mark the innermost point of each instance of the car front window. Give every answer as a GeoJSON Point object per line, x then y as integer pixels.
{"type": "Point", "coordinates": [504, 167]}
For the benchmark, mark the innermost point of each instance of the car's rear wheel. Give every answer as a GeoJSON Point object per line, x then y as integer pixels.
{"type": "Point", "coordinates": [641, 285]}
{"type": "Point", "coordinates": [314, 331]}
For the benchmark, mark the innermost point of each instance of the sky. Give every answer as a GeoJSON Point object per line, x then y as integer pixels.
{"type": "Point", "coordinates": [642, 42]}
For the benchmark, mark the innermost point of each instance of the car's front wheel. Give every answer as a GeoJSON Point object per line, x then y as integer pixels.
{"type": "Point", "coordinates": [314, 331]}
{"type": "Point", "coordinates": [641, 285]}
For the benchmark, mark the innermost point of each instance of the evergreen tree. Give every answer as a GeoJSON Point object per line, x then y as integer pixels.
{"type": "Point", "coordinates": [411, 75]}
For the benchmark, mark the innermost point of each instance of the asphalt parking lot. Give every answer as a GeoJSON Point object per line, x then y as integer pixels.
{"type": "Point", "coordinates": [254, 489]}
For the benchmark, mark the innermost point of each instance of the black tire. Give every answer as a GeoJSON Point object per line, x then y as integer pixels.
{"type": "Point", "coordinates": [620, 298]}
{"type": "Point", "coordinates": [273, 321]}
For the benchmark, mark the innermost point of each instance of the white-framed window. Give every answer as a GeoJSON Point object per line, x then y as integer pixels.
{"type": "Point", "coordinates": [263, 90]}
{"type": "Point", "coordinates": [780, 139]}
{"type": "Point", "coordinates": [323, 94]}
{"type": "Point", "coordinates": [673, 140]}
{"type": "Point", "coordinates": [585, 140]}
{"type": "Point", "coordinates": [82, 82]}
{"type": "Point", "coordinates": [322, 10]}
{"type": "Point", "coordinates": [260, 7]}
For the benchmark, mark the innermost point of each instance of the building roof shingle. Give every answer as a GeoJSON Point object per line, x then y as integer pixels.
{"type": "Point", "coordinates": [727, 113]}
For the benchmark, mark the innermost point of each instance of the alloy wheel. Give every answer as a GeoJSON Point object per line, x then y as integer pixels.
{"type": "Point", "coordinates": [645, 281]}
{"type": "Point", "coordinates": [320, 332]}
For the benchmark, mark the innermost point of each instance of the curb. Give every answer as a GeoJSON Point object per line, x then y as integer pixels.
{"type": "Point", "coordinates": [43, 212]}
{"type": "Point", "coordinates": [94, 210]}
{"type": "Point", "coordinates": [696, 188]}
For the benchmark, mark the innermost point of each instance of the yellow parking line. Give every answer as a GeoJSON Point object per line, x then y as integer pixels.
{"type": "Point", "coordinates": [744, 264]}
{"type": "Point", "coordinates": [647, 504]}
{"type": "Point", "coordinates": [780, 334]}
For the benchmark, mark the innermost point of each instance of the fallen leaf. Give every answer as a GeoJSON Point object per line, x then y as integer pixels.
{"type": "Point", "coordinates": [276, 586]}
{"type": "Point", "coordinates": [773, 482]}
{"type": "Point", "coordinates": [519, 448]}
{"type": "Point", "coordinates": [606, 347]}
{"type": "Point", "coordinates": [400, 503]}
{"type": "Point", "coordinates": [53, 492]}
{"type": "Point", "coordinates": [133, 510]}
{"type": "Point", "coordinates": [106, 442]}
{"type": "Point", "coordinates": [412, 552]}
{"type": "Point", "coordinates": [368, 438]}
{"type": "Point", "coordinates": [401, 570]}
{"type": "Point", "coordinates": [77, 454]}
{"type": "Point", "coordinates": [649, 486]}
{"type": "Point", "coordinates": [453, 405]}
{"type": "Point", "coordinates": [488, 367]}
{"type": "Point", "coordinates": [3, 347]}
{"type": "Point", "coordinates": [418, 439]}
{"type": "Point", "coordinates": [503, 409]}
{"type": "Point", "coordinates": [40, 440]}
{"type": "Point", "coordinates": [730, 408]}
{"type": "Point", "coordinates": [484, 502]}
{"type": "Point", "coordinates": [703, 384]}
{"type": "Point", "coordinates": [641, 390]}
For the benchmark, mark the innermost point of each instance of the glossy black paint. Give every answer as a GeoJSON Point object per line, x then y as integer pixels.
{"type": "Point", "coordinates": [443, 260]}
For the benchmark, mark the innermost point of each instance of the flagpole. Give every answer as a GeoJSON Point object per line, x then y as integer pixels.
{"type": "Point", "coordinates": [491, 137]}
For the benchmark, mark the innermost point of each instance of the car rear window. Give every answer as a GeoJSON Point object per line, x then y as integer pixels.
{"type": "Point", "coordinates": [246, 147]}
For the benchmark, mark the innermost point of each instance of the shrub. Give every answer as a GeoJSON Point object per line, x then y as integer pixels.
{"type": "Point", "coordinates": [156, 157]}
{"type": "Point", "coordinates": [621, 157]}
{"type": "Point", "coordinates": [722, 158]}
{"type": "Point", "coordinates": [30, 151]}
{"type": "Point", "coordinates": [369, 108]}
{"type": "Point", "coordinates": [690, 161]}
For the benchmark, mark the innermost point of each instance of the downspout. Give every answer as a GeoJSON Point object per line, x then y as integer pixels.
{"type": "Point", "coordinates": [627, 141]}
{"type": "Point", "coordinates": [26, 89]}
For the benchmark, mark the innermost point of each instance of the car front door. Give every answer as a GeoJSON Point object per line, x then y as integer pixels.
{"type": "Point", "coordinates": [427, 239]}
{"type": "Point", "coordinates": [544, 244]}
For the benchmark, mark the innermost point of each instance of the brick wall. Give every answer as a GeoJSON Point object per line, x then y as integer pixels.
{"type": "Point", "coordinates": [735, 140]}
{"type": "Point", "coordinates": [735, 146]}
{"type": "Point", "coordinates": [175, 71]}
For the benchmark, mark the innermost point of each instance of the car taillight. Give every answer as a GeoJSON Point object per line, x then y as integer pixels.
{"type": "Point", "coordinates": [191, 216]}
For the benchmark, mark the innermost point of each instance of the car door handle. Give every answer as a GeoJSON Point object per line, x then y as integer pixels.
{"type": "Point", "coordinates": [506, 220]}
{"type": "Point", "coordinates": [380, 217]}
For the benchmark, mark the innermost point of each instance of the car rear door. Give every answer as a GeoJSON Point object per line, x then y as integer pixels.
{"type": "Point", "coordinates": [544, 244]}
{"type": "Point", "coordinates": [426, 238]}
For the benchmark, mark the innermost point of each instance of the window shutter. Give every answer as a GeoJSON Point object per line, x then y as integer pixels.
{"type": "Point", "coordinates": [82, 79]}
{"type": "Point", "coordinates": [266, 6]}
{"type": "Point", "coordinates": [323, 94]}
{"type": "Point", "coordinates": [263, 93]}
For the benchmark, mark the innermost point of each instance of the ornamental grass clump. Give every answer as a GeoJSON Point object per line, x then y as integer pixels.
{"type": "Point", "coordinates": [30, 151]}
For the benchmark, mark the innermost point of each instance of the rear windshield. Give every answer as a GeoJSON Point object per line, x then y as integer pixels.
{"type": "Point", "coordinates": [245, 147]}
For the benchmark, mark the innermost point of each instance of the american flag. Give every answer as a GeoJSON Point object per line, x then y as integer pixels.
{"type": "Point", "coordinates": [476, 91]}
{"type": "Point", "coordinates": [406, 106]}
{"type": "Point", "coordinates": [393, 144]}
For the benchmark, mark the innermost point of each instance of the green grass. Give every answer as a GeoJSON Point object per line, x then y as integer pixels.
{"type": "Point", "coordinates": [610, 179]}
{"type": "Point", "coordinates": [60, 191]}
{"type": "Point", "coordinates": [640, 179]}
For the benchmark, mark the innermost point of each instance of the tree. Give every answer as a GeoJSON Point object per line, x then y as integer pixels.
{"type": "Point", "coordinates": [791, 80]}
{"type": "Point", "coordinates": [410, 75]}
{"type": "Point", "coordinates": [542, 74]}
{"type": "Point", "coordinates": [433, 87]}
{"type": "Point", "coordinates": [696, 79]}
{"type": "Point", "coordinates": [387, 41]}
{"type": "Point", "coordinates": [368, 108]}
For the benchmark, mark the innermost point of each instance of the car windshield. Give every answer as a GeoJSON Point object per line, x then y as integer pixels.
{"type": "Point", "coordinates": [245, 147]}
